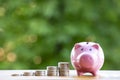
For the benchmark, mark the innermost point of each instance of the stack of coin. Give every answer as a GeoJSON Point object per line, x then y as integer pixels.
{"type": "Point", "coordinates": [27, 74]}
{"type": "Point", "coordinates": [52, 71]}
{"type": "Point", "coordinates": [39, 73]}
{"type": "Point", "coordinates": [63, 68]}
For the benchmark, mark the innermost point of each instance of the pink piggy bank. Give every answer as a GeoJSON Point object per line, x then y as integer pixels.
{"type": "Point", "coordinates": [87, 57]}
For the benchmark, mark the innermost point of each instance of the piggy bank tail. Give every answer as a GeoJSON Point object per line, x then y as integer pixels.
{"type": "Point", "coordinates": [86, 61]}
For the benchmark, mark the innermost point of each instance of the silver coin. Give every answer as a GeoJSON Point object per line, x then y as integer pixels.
{"type": "Point", "coordinates": [51, 74]}
{"type": "Point", "coordinates": [64, 69]}
{"type": "Point", "coordinates": [52, 68]}
{"type": "Point", "coordinates": [65, 74]}
{"type": "Point", "coordinates": [63, 64]}
{"type": "Point", "coordinates": [15, 75]}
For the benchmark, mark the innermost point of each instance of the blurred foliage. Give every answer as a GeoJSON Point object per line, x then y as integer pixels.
{"type": "Point", "coordinates": [38, 33]}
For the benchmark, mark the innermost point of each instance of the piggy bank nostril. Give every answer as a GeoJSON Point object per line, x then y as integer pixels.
{"type": "Point", "coordinates": [81, 49]}
{"type": "Point", "coordinates": [90, 49]}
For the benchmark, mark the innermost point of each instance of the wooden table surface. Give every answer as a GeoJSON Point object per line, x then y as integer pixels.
{"type": "Point", "coordinates": [102, 75]}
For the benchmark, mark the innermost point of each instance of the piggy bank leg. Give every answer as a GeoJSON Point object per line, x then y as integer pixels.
{"type": "Point", "coordinates": [79, 73]}
{"type": "Point", "coordinates": [94, 73]}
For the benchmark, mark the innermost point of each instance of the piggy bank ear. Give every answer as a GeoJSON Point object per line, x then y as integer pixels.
{"type": "Point", "coordinates": [77, 45]}
{"type": "Point", "coordinates": [96, 46]}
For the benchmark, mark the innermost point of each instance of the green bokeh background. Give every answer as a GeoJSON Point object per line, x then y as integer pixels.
{"type": "Point", "coordinates": [39, 33]}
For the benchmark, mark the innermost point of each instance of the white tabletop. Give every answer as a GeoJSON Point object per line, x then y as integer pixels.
{"type": "Point", "coordinates": [102, 75]}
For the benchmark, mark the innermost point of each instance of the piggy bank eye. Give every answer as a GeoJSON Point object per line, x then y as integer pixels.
{"type": "Point", "coordinates": [90, 49]}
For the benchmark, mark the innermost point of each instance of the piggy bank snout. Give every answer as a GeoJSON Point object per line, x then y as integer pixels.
{"type": "Point", "coordinates": [86, 61]}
